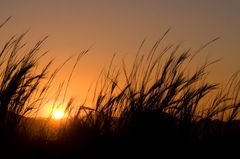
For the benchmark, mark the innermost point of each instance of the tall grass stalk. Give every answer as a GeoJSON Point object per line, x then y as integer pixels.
{"type": "Point", "coordinates": [156, 89]}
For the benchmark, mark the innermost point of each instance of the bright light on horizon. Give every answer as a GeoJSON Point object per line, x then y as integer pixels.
{"type": "Point", "coordinates": [58, 114]}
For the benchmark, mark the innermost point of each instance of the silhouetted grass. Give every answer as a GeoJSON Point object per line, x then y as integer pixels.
{"type": "Point", "coordinates": [157, 101]}
{"type": "Point", "coordinates": [24, 86]}
{"type": "Point", "coordinates": [19, 78]}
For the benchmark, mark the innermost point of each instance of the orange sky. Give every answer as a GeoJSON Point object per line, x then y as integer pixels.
{"type": "Point", "coordinates": [110, 26]}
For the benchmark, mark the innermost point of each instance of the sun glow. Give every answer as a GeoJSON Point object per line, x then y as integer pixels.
{"type": "Point", "coordinates": [58, 114]}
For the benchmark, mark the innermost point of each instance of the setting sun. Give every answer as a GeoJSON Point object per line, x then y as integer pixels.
{"type": "Point", "coordinates": [92, 79]}
{"type": "Point", "coordinates": [58, 114]}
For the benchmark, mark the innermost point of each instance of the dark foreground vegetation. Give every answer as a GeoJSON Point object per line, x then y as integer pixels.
{"type": "Point", "coordinates": [157, 106]}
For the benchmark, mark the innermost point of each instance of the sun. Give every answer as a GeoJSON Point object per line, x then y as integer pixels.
{"type": "Point", "coordinates": [58, 114]}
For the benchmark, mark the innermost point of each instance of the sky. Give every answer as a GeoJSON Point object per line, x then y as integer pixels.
{"type": "Point", "coordinates": [111, 26]}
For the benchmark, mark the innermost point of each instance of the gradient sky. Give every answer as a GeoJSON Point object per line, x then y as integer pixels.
{"type": "Point", "coordinates": [110, 26]}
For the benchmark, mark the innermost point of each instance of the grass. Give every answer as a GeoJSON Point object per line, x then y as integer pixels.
{"type": "Point", "coordinates": [156, 101]}
{"type": "Point", "coordinates": [19, 79]}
